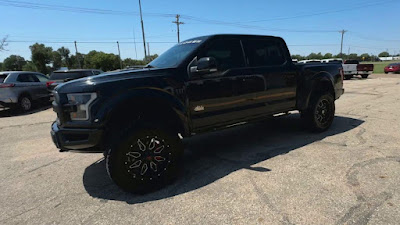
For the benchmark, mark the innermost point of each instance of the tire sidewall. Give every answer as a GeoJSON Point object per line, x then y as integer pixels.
{"type": "Point", "coordinates": [313, 122]}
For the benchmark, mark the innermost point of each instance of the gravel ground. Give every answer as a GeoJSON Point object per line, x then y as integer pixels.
{"type": "Point", "coordinates": [272, 172]}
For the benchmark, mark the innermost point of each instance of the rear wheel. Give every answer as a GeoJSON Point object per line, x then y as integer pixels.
{"type": "Point", "coordinates": [146, 159]}
{"type": "Point", "coordinates": [25, 103]}
{"type": "Point", "coordinates": [348, 77]}
{"type": "Point", "coordinates": [321, 112]}
{"type": "Point", "coordinates": [364, 76]}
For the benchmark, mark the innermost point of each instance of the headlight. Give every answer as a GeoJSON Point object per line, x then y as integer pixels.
{"type": "Point", "coordinates": [82, 102]}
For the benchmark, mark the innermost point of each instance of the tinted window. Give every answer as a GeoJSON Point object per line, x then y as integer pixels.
{"type": "Point", "coordinates": [26, 77]}
{"type": "Point", "coordinates": [3, 77]}
{"type": "Point", "coordinates": [351, 62]}
{"type": "Point", "coordinates": [42, 78]}
{"type": "Point", "coordinates": [393, 64]}
{"type": "Point", "coordinates": [97, 72]}
{"type": "Point", "coordinates": [264, 53]}
{"type": "Point", "coordinates": [175, 55]}
{"type": "Point", "coordinates": [228, 54]}
{"type": "Point", "coordinates": [66, 75]}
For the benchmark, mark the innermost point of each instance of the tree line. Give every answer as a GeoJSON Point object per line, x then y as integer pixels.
{"type": "Point", "coordinates": [45, 60]}
{"type": "Point", "coordinates": [362, 57]}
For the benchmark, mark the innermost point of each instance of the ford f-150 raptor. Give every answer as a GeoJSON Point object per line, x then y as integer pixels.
{"type": "Point", "coordinates": [138, 118]}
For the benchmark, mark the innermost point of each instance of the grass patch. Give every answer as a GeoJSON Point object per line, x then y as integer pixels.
{"type": "Point", "coordinates": [379, 66]}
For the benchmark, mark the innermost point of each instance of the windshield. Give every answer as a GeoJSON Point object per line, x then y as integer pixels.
{"type": "Point", "coordinates": [175, 55]}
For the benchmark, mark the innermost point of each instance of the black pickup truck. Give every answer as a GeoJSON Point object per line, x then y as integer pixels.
{"type": "Point", "coordinates": [138, 118]}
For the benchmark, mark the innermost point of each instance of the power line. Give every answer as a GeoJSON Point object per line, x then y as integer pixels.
{"type": "Point", "coordinates": [358, 35]}
{"type": "Point", "coordinates": [22, 4]}
{"type": "Point", "coordinates": [362, 5]}
{"type": "Point", "coordinates": [88, 42]}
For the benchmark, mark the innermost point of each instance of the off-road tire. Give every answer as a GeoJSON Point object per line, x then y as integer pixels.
{"type": "Point", "coordinates": [129, 153]}
{"type": "Point", "coordinates": [320, 113]}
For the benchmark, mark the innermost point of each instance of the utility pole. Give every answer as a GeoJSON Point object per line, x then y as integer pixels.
{"type": "Point", "coordinates": [177, 25]}
{"type": "Point", "coordinates": [148, 48]}
{"type": "Point", "coordinates": [134, 41]}
{"type": "Point", "coordinates": [341, 45]}
{"type": "Point", "coordinates": [77, 57]}
{"type": "Point", "coordinates": [144, 39]}
{"type": "Point", "coordinates": [119, 53]}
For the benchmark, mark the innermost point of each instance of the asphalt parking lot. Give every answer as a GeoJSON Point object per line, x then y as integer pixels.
{"type": "Point", "coordinates": [273, 172]}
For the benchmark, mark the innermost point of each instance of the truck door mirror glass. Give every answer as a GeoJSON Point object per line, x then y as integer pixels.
{"type": "Point", "coordinates": [205, 65]}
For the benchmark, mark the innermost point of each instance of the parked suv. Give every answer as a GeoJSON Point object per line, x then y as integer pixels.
{"type": "Point", "coordinates": [138, 118]}
{"type": "Point", "coordinates": [61, 76]}
{"type": "Point", "coordinates": [19, 88]}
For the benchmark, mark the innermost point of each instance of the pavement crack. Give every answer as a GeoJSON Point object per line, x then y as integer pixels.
{"type": "Point", "coordinates": [24, 125]}
{"type": "Point", "coordinates": [362, 212]}
{"type": "Point", "coordinates": [45, 165]}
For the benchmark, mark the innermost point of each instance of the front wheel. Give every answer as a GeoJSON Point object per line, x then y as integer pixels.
{"type": "Point", "coordinates": [145, 159]}
{"type": "Point", "coordinates": [321, 112]}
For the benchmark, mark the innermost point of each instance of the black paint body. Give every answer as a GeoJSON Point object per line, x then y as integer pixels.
{"type": "Point", "coordinates": [196, 103]}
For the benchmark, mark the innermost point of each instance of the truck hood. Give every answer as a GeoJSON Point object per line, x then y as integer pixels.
{"type": "Point", "coordinates": [122, 79]}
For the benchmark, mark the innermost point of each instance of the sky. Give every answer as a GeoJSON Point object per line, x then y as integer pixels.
{"type": "Point", "coordinates": [306, 26]}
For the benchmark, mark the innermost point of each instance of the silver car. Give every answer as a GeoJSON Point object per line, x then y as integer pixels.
{"type": "Point", "coordinates": [21, 89]}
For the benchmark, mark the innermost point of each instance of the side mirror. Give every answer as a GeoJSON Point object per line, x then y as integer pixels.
{"type": "Point", "coordinates": [205, 65]}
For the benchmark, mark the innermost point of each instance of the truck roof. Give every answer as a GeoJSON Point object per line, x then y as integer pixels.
{"type": "Point", "coordinates": [233, 35]}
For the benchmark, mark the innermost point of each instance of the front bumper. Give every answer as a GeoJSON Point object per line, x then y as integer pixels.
{"type": "Point", "coordinates": [85, 140]}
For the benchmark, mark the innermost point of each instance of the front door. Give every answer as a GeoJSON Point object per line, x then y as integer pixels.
{"type": "Point", "coordinates": [212, 100]}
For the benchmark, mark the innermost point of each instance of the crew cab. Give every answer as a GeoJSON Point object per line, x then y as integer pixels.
{"type": "Point", "coordinates": [138, 118]}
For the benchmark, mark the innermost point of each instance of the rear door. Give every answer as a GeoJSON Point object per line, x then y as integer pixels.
{"type": "Point", "coordinates": [212, 101]}
{"type": "Point", "coordinates": [43, 92]}
{"type": "Point", "coordinates": [269, 77]}
{"type": "Point", "coordinates": [28, 83]}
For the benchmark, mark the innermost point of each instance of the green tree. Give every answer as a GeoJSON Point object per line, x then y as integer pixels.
{"type": "Point", "coordinates": [1, 66]}
{"type": "Point", "coordinates": [73, 61]}
{"type": "Point", "coordinates": [132, 62]}
{"type": "Point", "coordinates": [315, 56]}
{"type": "Point", "coordinates": [64, 52]}
{"type": "Point", "coordinates": [41, 56]}
{"type": "Point", "coordinates": [57, 60]}
{"type": "Point", "coordinates": [353, 56]}
{"type": "Point", "coordinates": [101, 60]}
{"type": "Point", "coordinates": [14, 62]}
{"type": "Point", "coordinates": [384, 54]}
{"type": "Point", "coordinates": [365, 57]}
{"type": "Point", "coordinates": [149, 58]}
{"type": "Point", "coordinates": [298, 57]}
{"type": "Point", "coordinates": [29, 66]}
{"type": "Point", "coordinates": [328, 56]}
